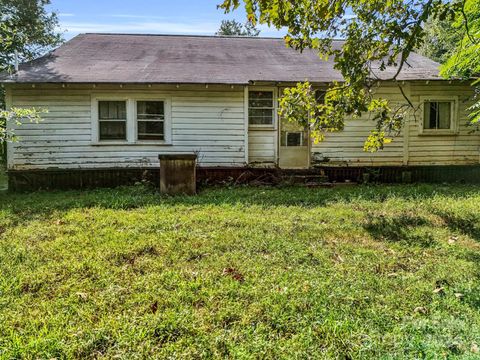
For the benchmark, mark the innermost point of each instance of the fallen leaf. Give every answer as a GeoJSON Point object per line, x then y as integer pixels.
{"type": "Point", "coordinates": [154, 307]}
{"type": "Point", "coordinates": [474, 349]}
{"type": "Point", "coordinates": [452, 240]}
{"type": "Point", "coordinates": [233, 273]}
{"type": "Point", "coordinates": [458, 295]}
{"type": "Point", "coordinates": [60, 222]}
{"type": "Point", "coordinates": [439, 290]}
{"type": "Point", "coordinates": [420, 309]}
{"type": "Point", "coordinates": [82, 295]}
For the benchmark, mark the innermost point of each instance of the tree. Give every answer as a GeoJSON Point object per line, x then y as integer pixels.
{"type": "Point", "coordinates": [27, 30]}
{"type": "Point", "coordinates": [235, 28]}
{"type": "Point", "coordinates": [464, 61]}
{"type": "Point", "coordinates": [441, 39]}
{"type": "Point", "coordinates": [377, 34]}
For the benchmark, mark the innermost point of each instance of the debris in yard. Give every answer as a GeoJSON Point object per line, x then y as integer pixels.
{"type": "Point", "coordinates": [474, 349]}
{"type": "Point", "coordinates": [458, 295]}
{"type": "Point", "coordinates": [338, 258]}
{"type": "Point", "coordinates": [244, 177]}
{"type": "Point", "coordinates": [60, 222]}
{"type": "Point", "coordinates": [82, 295]}
{"type": "Point", "coordinates": [420, 309]}
{"type": "Point", "coordinates": [439, 290]}
{"type": "Point", "coordinates": [234, 274]}
{"type": "Point", "coordinates": [154, 307]}
{"type": "Point", "coordinates": [452, 240]}
{"type": "Point", "coordinates": [266, 179]}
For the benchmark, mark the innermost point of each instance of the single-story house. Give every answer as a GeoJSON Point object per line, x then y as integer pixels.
{"type": "Point", "coordinates": [116, 102]}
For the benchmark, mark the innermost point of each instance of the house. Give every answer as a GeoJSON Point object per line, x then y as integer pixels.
{"type": "Point", "coordinates": [115, 102]}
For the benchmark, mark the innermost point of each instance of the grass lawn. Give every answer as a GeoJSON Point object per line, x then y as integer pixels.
{"type": "Point", "coordinates": [363, 272]}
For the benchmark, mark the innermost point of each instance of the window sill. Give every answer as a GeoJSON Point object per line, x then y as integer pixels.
{"type": "Point", "coordinates": [123, 143]}
{"type": "Point", "coordinates": [438, 133]}
{"type": "Point", "coordinates": [260, 127]}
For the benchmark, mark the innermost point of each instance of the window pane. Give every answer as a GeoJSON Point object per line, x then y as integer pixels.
{"type": "Point", "coordinates": [426, 116]}
{"type": "Point", "coordinates": [261, 95]}
{"type": "Point", "coordinates": [112, 110]}
{"type": "Point", "coordinates": [113, 130]}
{"type": "Point", "coordinates": [260, 117]}
{"type": "Point", "coordinates": [444, 114]}
{"type": "Point", "coordinates": [320, 96]}
{"type": "Point", "coordinates": [437, 115]}
{"type": "Point", "coordinates": [260, 99]}
{"type": "Point", "coordinates": [151, 130]}
{"type": "Point", "coordinates": [257, 103]}
{"type": "Point", "coordinates": [150, 110]}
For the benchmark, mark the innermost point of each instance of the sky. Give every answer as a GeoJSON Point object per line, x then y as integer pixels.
{"type": "Point", "coordinates": [193, 17]}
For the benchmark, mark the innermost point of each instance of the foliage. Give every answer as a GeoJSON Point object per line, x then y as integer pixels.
{"type": "Point", "coordinates": [17, 116]}
{"type": "Point", "coordinates": [235, 28]}
{"type": "Point", "coordinates": [441, 39]}
{"type": "Point", "coordinates": [361, 273]}
{"type": "Point", "coordinates": [465, 60]}
{"type": "Point", "coordinates": [377, 34]}
{"type": "Point", "coordinates": [27, 30]}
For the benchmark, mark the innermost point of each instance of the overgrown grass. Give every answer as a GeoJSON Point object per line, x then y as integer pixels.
{"type": "Point", "coordinates": [364, 272]}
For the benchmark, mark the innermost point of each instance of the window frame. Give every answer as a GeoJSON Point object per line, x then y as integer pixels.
{"type": "Point", "coordinates": [131, 122]}
{"type": "Point", "coordinates": [303, 138]}
{"type": "Point", "coordinates": [100, 121]}
{"type": "Point", "coordinates": [273, 90]}
{"type": "Point", "coordinates": [453, 100]}
{"type": "Point", "coordinates": [166, 120]}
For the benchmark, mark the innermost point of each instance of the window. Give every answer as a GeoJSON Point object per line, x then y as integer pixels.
{"type": "Point", "coordinates": [261, 109]}
{"type": "Point", "coordinates": [131, 119]}
{"type": "Point", "coordinates": [112, 117]}
{"type": "Point", "coordinates": [437, 115]}
{"type": "Point", "coordinates": [298, 138]}
{"type": "Point", "coordinates": [151, 120]}
{"type": "Point", "coordinates": [320, 96]}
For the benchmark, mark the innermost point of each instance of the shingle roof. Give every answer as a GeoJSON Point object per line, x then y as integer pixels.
{"type": "Point", "coordinates": [122, 58]}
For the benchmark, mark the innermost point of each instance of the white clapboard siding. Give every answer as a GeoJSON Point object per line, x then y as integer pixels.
{"type": "Point", "coordinates": [346, 147]}
{"type": "Point", "coordinates": [456, 149]}
{"type": "Point", "coordinates": [211, 123]}
{"type": "Point", "coordinates": [261, 147]}
{"type": "Point", "coordinates": [207, 122]}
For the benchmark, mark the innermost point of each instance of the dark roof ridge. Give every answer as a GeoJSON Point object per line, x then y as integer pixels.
{"type": "Point", "coordinates": [191, 36]}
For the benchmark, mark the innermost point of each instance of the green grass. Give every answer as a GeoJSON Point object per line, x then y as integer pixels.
{"type": "Point", "coordinates": [386, 272]}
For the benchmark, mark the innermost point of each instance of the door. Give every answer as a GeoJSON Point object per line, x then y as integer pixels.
{"type": "Point", "coordinates": [294, 149]}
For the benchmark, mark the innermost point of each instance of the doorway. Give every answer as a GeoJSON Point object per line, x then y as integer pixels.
{"type": "Point", "coordinates": [294, 149]}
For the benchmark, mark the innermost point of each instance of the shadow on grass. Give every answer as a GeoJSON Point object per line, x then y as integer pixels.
{"type": "Point", "coordinates": [42, 204]}
{"type": "Point", "coordinates": [468, 224]}
{"type": "Point", "coordinates": [404, 228]}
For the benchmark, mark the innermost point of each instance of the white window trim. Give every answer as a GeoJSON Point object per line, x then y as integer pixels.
{"type": "Point", "coordinates": [273, 126]}
{"type": "Point", "coordinates": [167, 128]}
{"type": "Point", "coordinates": [131, 101]}
{"type": "Point", "coordinates": [453, 116]}
{"type": "Point", "coordinates": [302, 138]}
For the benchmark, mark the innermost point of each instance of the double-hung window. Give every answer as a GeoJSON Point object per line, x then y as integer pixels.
{"type": "Point", "coordinates": [150, 120]}
{"type": "Point", "coordinates": [261, 108]}
{"type": "Point", "coordinates": [131, 120]}
{"type": "Point", "coordinates": [439, 116]}
{"type": "Point", "coordinates": [112, 117]}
